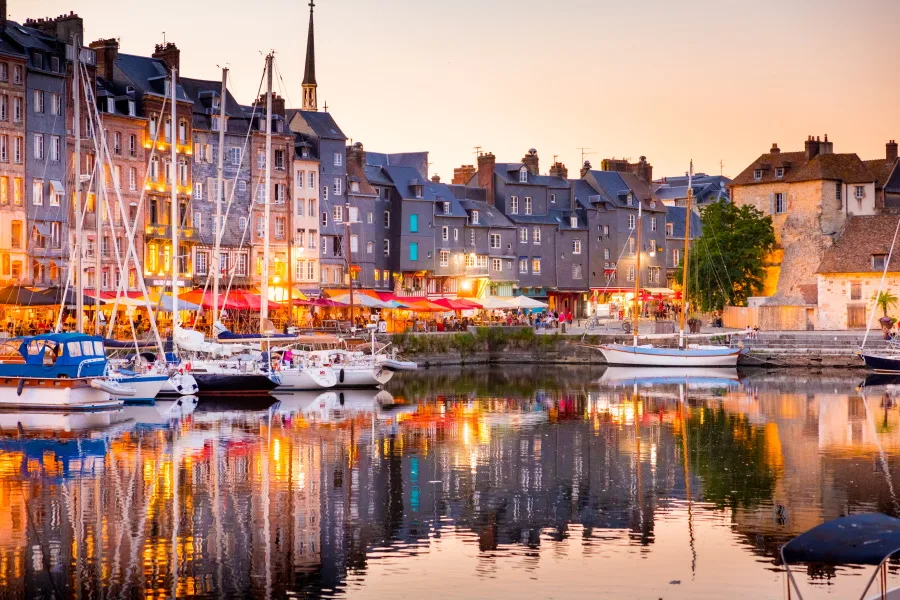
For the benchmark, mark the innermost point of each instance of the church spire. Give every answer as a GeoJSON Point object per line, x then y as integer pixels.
{"type": "Point", "coordinates": [309, 75]}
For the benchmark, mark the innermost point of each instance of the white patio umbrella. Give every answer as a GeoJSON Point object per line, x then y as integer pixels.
{"type": "Point", "coordinates": [493, 302]}
{"type": "Point", "coordinates": [526, 302]}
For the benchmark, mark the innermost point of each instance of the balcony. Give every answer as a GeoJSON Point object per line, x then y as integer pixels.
{"type": "Point", "coordinates": [164, 232]}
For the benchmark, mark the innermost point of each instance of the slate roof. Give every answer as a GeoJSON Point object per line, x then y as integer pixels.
{"type": "Point", "coordinates": [892, 185]}
{"type": "Point", "coordinates": [488, 216]}
{"type": "Point", "coordinates": [586, 195]}
{"type": "Point", "coordinates": [615, 186]}
{"type": "Point", "coordinates": [509, 172]}
{"type": "Point", "coordinates": [145, 74]}
{"type": "Point", "coordinates": [357, 173]}
{"type": "Point", "coordinates": [705, 188]}
{"type": "Point", "coordinates": [562, 219]}
{"type": "Point", "coordinates": [839, 167]}
{"type": "Point", "coordinates": [31, 38]}
{"type": "Point", "coordinates": [416, 160]}
{"type": "Point", "coordinates": [199, 90]}
{"type": "Point", "coordinates": [881, 169]}
{"type": "Point", "coordinates": [317, 124]}
{"type": "Point", "coordinates": [464, 192]}
{"type": "Point", "coordinates": [377, 176]}
{"type": "Point", "coordinates": [861, 238]}
{"type": "Point", "coordinates": [676, 216]}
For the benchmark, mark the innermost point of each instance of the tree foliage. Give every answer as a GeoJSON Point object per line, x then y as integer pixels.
{"type": "Point", "coordinates": [886, 300]}
{"type": "Point", "coordinates": [727, 261]}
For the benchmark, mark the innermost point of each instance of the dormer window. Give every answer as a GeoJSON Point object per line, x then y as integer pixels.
{"type": "Point", "coordinates": [132, 108]}
{"type": "Point", "coordinates": [446, 208]}
{"type": "Point", "coordinates": [523, 175]}
{"type": "Point", "coordinates": [879, 261]}
{"type": "Point", "coordinates": [129, 89]}
{"type": "Point", "coordinates": [111, 105]}
{"type": "Point", "coordinates": [573, 221]}
{"type": "Point", "coordinates": [670, 229]}
{"type": "Point", "coordinates": [474, 217]}
{"type": "Point", "coordinates": [779, 172]}
{"type": "Point", "coordinates": [354, 187]}
{"type": "Point", "coordinates": [304, 153]}
{"type": "Point", "coordinates": [215, 103]}
{"type": "Point", "coordinates": [757, 174]}
{"type": "Point", "coordinates": [417, 191]}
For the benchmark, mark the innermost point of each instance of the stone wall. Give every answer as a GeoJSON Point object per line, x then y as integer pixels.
{"type": "Point", "coordinates": [786, 318]}
{"type": "Point", "coordinates": [834, 296]}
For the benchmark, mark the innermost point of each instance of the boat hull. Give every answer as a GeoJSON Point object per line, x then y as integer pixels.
{"type": "Point", "coordinates": [631, 356]}
{"type": "Point", "coordinates": [361, 376]}
{"type": "Point", "coordinates": [306, 379]}
{"type": "Point", "coordinates": [234, 384]}
{"type": "Point", "coordinates": [882, 364]}
{"type": "Point", "coordinates": [146, 387]}
{"type": "Point", "coordinates": [180, 384]}
{"type": "Point", "coordinates": [58, 394]}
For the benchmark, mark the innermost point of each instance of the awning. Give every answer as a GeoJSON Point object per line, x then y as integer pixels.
{"type": "Point", "coordinates": [663, 291]}
{"type": "Point", "coordinates": [42, 228]}
{"type": "Point", "coordinates": [457, 304]}
{"type": "Point", "coordinates": [492, 302]}
{"type": "Point", "coordinates": [57, 187]}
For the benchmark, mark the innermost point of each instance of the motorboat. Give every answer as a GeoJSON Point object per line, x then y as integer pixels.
{"type": "Point", "coordinates": [232, 376]}
{"type": "Point", "coordinates": [303, 377]}
{"type": "Point", "coordinates": [65, 371]}
{"type": "Point", "coordinates": [351, 369]}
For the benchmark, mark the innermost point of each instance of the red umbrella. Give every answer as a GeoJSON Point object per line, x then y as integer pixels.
{"type": "Point", "coordinates": [205, 299]}
{"type": "Point", "coordinates": [457, 304]}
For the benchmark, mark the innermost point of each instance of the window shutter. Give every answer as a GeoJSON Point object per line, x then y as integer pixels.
{"type": "Point", "coordinates": [210, 183]}
{"type": "Point", "coordinates": [229, 189]}
{"type": "Point", "coordinates": [209, 153]}
{"type": "Point", "coordinates": [772, 204]}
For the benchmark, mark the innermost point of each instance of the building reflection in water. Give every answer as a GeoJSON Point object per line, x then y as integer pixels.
{"type": "Point", "coordinates": [316, 494]}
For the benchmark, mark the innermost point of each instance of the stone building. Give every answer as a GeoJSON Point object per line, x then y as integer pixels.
{"type": "Point", "coordinates": [887, 176]}
{"type": "Point", "coordinates": [642, 168]}
{"type": "Point", "coordinates": [809, 195]}
{"type": "Point", "coordinates": [304, 226]}
{"type": "Point", "coordinates": [14, 237]}
{"type": "Point", "coordinates": [850, 272]}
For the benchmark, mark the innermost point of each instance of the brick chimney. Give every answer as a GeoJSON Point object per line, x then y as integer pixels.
{"type": "Point", "coordinates": [644, 170]}
{"type": "Point", "coordinates": [559, 170]}
{"type": "Point", "coordinates": [775, 149]}
{"type": "Point", "coordinates": [532, 162]}
{"type": "Point", "coordinates": [826, 147]}
{"type": "Point", "coordinates": [435, 178]}
{"type": "Point", "coordinates": [107, 55]}
{"type": "Point", "coordinates": [486, 164]}
{"type": "Point", "coordinates": [356, 154]}
{"type": "Point", "coordinates": [277, 104]}
{"type": "Point", "coordinates": [3, 12]}
{"type": "Point", "coordinates": [585, 168]}
{"type": "Point", "coordinates": [463, 174]}
{"type": "Point", "coordinates": [169, 54]}
{"type": "Point", "coordinates": [890, 151]}
{"type": "Point", "coordinates": [812, 148]}
{"type": "Point", "coordinates": [62, 27]}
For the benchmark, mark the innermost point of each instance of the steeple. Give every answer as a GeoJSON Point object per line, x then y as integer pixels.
{"type": "Point", "coordinates": [309, 76]}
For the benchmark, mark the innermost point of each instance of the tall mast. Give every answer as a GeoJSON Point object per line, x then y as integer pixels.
{"type": "Point", "coordinates": [79, 245]}
{"type": "Point", "coordinates": [98, 246]}
{"type": "Point", "coordinates": [350, 262]}
{"type": "Point", "coordinates": [220, 191]}
{"type": "Point", "coordinates": [687, 248]}
{"type": "Point", "coordinates": [264, 305]}
{"type": "Point", "coordinates": [636, 317]}
{"type": "Point", "coordinates": [174, 212]}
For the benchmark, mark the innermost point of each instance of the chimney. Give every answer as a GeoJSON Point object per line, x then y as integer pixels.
{"type": "Point", "coordinates": [585, 168]}
{"type": "Point", "coordinates": [812, 148]}
{"type": "Point", "coordinates": [531, 162]}
{"type": "Point", "coordinates": [62, 27]}
{"type": "Point", "coordinates": [826, 147]}
{"type": "Point", "coordinates": [486, 164]}
{"type": "Point", "coordinates": [559, 170]}
{"type": "Point", "coordinates": [277, 104]}
{"type": "Point", "coordinates": [169, 54]}
{"type": "Point", "coordinates": [463, 174]}
{"type": "Point", "coordinates": [3, 12]}
{"type": "Point", "coordinates": [775, 149]}
{"type": "Point", "coordinates": [890, 151]}
{"type": "Point", "coordinates": [107, 55]}
{"type": "Point", "coordinates": [435, 178]}
{"type": "Point", "coordinates": [356, 154]}
{"type": "Point", "coordinates": [644, 170]}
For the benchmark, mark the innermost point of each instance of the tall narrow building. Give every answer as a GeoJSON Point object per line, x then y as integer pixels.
{"type": "Point", "coordinates": [309, 75]}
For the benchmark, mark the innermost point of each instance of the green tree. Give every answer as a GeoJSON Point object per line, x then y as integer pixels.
{"type": "Point", "coordinates": [886, 301]}
{"type": "Point", "coordinates": [728, 259]}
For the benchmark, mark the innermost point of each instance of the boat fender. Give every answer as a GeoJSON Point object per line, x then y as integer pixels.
{"type": "Point", "coordinates": [179, 403]}
{"type": "Point", "coordinates": [188, 367]}
{"type": "Point", "coordinates": [20, 387]}
{"type": "Point", "coordinates": [342, 381]}
{"type": "Point", "coordinates": [342, 394]}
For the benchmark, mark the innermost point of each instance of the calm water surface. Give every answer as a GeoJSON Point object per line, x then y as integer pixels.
{"type": "Point", "coordinates": [483, 483]}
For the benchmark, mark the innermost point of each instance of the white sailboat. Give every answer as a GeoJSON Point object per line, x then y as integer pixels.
{"type": "Point", "coordinates": [685, 355]}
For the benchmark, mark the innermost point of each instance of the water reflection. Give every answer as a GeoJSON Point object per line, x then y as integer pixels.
{"type": "Point", "coordinates": [551, 481]}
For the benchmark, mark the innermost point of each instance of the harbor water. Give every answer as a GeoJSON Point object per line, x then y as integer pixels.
{"type": "Point", "coordinates": [553, 482]}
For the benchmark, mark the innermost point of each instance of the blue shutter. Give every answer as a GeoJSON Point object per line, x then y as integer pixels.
{"type": "Point", "coordinates": [413, 250]}
{"type": "Point", "coordinates": [413, 223]}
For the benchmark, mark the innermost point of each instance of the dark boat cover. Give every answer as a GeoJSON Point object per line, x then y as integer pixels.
{"type": "Point", "coordinates": [865, 539]}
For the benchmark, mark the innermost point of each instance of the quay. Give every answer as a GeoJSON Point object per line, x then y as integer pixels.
{"type": "Point", "coordinates": [522, 345]}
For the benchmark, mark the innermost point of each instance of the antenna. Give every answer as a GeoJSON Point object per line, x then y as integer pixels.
{"type": "Point", "coordinates": [164, 39]}
{"type": "Point", "coordinates": [477, 152]}
{"type": "Point", "coordinates": [585, 152]}
{"type": "Point", "coordinates": [555, 156]}
{"type": "Point", "coordinates": [721, 167]}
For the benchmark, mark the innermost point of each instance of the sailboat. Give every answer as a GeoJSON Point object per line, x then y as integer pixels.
{"type": "Point", "coordinates": [882, 363]}
{"type": "Point", "coordinates": [693, 355]}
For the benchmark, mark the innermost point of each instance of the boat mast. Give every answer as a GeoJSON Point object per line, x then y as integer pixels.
{"type": "Point", "coordinates": [264, 304]}
{"type": "Point", "coordinates": [79, 246]}
{"type": "Point", "coordinates": [174, 212]}
{"type": "Point", "coordinates": [220, 190]}
{"type": "Point", "coordinates": [99, 199]}
{"type": "Point", "coordinates": [636, 315]}
{"type": "Point", "coordinates": [687, 249]}
{"type": "Point", "coordinates": [350, 263]}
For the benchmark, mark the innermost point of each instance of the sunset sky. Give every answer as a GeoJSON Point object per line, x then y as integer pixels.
{"type": "Point", "coordinates": [709, 79]}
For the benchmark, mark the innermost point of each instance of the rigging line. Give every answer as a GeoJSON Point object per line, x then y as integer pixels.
{"type": "Point", "coordinates": [714, 269]}
{"type": "Point", "coordinates": [102, 150]}
{"type": "Point", "coordinates": [716, 239]}
{"type": "Point", "coordinates": [283, 85]}
{"type": "Point", "coordinates": [880, 286]}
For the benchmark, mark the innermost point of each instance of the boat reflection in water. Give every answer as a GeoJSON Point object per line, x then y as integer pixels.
{"type": "Point", "coordinates": [515, 482]}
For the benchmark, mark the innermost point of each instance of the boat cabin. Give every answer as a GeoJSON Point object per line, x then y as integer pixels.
{"type": "Point", "coordinates": [53, 355]}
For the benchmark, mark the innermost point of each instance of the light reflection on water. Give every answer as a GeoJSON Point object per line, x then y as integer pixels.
{"type": "Point", "coordinates": [550, 482]}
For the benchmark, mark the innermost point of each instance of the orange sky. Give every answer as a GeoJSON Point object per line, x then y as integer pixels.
{"type": "Point", "coordinates": [709, 79]}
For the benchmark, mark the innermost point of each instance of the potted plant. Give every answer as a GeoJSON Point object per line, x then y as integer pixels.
{"type": "Point", "coordinates": [885, 301]}
{"type": "Point", "coordinates": [693, 324]}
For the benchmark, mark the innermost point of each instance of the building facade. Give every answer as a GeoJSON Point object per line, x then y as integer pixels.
{"type": "Point", "coordinates": [14, 237]}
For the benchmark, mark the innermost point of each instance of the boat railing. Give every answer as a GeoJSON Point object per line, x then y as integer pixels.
{"type": "Point", "coordinates": [89, 361]}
